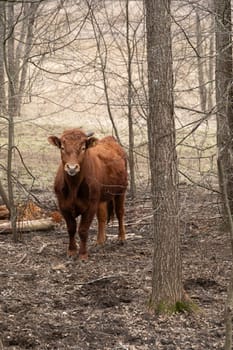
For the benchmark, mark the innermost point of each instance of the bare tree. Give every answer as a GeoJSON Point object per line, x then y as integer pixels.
{"type": "Point", "coordinates": [13, 71]}
{"type": "Point", "coordinates": [224, 99]}
{"type": "Point", "coordinates": [224, 91]}
{"type": "Point", "coordinates": [166, 279]}
{"type": "Point", "coordinates": [229, 299]}
{"type": "Point", "coordinates": [200, 62]}
{"type": "Point", "coordinates": [129, 103]}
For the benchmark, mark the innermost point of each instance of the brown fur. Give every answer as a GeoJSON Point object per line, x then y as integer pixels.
{"type": "Point", "coordinates": [98, 186]}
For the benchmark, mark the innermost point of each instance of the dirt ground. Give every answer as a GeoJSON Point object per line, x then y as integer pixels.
{"type": "Point", "coordinates": [49, 302]}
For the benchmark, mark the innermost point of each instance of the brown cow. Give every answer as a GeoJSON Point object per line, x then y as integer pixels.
{"type": "Point", "coordinates": [91, 179]}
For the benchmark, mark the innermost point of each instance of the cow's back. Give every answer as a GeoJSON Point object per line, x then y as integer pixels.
{"type": "Point", "coordinates": [109, 165]}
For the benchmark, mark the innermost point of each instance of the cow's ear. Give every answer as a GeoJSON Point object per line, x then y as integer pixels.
{"type": "Point", "coordinates": [55, 141]}
{"type": "Point", "coordinates": [91, 141]}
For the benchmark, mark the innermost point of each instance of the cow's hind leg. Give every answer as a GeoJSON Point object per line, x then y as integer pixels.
{"type": "Point", "coordinates": [71, 228]}
{"type": "Point", "coordinates": [120, 212]}
{"type": "Point", "coordinates": [102, 220]}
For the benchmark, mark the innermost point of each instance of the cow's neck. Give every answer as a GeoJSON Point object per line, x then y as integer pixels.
{"type": "Point", "coordinates": [73, 182]}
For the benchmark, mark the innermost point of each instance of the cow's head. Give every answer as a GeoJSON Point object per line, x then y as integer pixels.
{"type": "Point", "coordinates": [72, 144]}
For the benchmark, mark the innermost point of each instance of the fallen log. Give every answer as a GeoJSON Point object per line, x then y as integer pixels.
{"type": "Point", "coordinates": [4, 212]}
{"type": "Point", "coordinates": [28, 225]}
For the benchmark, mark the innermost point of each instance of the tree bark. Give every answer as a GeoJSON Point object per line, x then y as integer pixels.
{"type": "Point", "coordinates": [210, 62]}
{"type": "Point", "coordinates": [166, 279]}
{"type": "Point", "coordinates": [2, 72]}
{"type": "Point", "coordinates": [224, 91]}
{"type": "Point", "coordinates": [132, 189]}
{"type": "Point", "coordinates": [11, 73]}
{"type": "Point", "coordinates": [229, 299]}
{"type": "Point", "coordinates": [200, 63]}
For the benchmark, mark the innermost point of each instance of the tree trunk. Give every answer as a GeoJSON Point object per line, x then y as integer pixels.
{"type": "Point", "coordinates": [229, 300]}
{"type": "Point", "coordinates": [103, 58]}
{"type": "Point", "coordinates": [224, 92]}
{"type": "Point", "coordinates": [30, 14]}
{"type": "Point", "coordinates": [166, 279]}
{"type": "Point", "coordinates": [2, 73]}
{"type": "Point", "coordinates": [224, 101]}
{"type": "Point", "coordinates": [200, 62]}
{"type": "Point", "coordinates": [210, 62]}
{"type": "Point", "coordinates": [11, 73]}
{"type": "Point", "coordinates": [132, 189]}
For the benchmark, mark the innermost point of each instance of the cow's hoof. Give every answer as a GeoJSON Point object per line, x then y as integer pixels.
{"type": "Point", "coordinates": [121, 241]}
{"type": "Point", "coordinates": [72, 254]}
{"type": "Point", "coordinates": [100, 243]}
{"type": "Point", "coordinates": [83, 257]}
{"type": "Point", "coordinates": [99, 247]}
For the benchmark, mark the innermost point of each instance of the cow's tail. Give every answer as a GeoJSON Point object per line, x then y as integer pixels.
{"type": "Point", "coordinates": [111, 210]}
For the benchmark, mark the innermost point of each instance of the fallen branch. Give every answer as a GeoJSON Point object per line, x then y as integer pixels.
{"type": "Point", "coordinates": [128, 236]}
{"type": "Point", "coordinates": [22, 259]}
{"type": "Point", "coordinates": [16, 274]}
{"type": "Point", "coordinates": [4, 212]}
{"type": "Point", "coordinates": [99, 279]}
{"type": "Point", "coordinates": [142, 221]}
{"type": "Point", "coordinates": [28, 225]}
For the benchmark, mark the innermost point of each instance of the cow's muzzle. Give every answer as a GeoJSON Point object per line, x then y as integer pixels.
{"type": "Point", "coordinates": [72, 169]}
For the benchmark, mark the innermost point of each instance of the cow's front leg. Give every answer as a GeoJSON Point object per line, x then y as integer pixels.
{"type": "Point", "coordinates": [84, 226]}
{"type": "Point", "coordinates": [71, 228]}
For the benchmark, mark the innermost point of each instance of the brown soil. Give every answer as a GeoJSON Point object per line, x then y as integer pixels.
{"type": "Point", "coordinates": [49, 302]}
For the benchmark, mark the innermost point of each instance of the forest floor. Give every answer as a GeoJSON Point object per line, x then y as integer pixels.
{"type": "Point", "coordinates": [49, 302]}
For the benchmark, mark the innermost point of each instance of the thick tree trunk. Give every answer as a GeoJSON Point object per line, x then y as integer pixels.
{"type": "Point", "coordinates": [229, 300]}
{"type": "Point", "coordinates": [224, 101]}
{"type": "Point", "coordinates": [224, 92]}
{"type": "Point", "coordinates": [166, 283]}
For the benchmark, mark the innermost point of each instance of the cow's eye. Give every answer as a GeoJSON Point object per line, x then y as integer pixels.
{"type": "Point", "coordinates": [83, 148]}
{"type": "Point", "coordinates": [62, 148]}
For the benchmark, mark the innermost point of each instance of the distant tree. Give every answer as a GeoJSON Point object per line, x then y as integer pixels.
{"type": "Point", "coordinates": [166, 278]}
{"type": "Point", "coordinates": [200, 62]}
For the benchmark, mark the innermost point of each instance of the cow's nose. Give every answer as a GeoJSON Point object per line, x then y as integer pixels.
{"type": "Point", "coordinates": [72, 169]}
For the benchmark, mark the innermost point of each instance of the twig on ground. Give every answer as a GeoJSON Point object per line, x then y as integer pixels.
{"type": "Point", "coordinates": [15, 274]}
{"type": "Point", "coordinates": [141, 221]}
{"type": "Point", "coordinates": [99, 279]}
{"type": "Point", "coordinates": [44, 245]}
{"type": "Point", "coordinates": [128, 236]}
{"type": "Point", "coordinates": [22, 259]}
